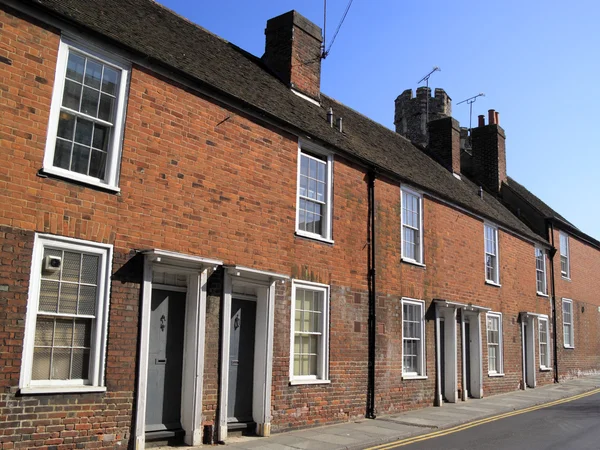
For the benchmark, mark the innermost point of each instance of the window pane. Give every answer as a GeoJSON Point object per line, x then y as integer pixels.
{"type": "Point", "coordinates": [41, 364]}
{"type": "Point", "coordinates": [48, 296]}
{"type": "Point", "coordinates": [61, 363]}
{"type": "Point", "coordinates": [110, 80]}
{"type": "Point", "coordinates": [68, 298]}
{"type": "Point", "coordinates": [89, 269]}
{"type": "Point", "coordinates": [97, 164]}
{"type": "Point", "coordinates": [44, 332]}
{"type": "Point", "coordinates": [62, 154]}
{"type": "Point", "coordinates": [105, 111]}
{"type": "Point", "coordinates": [81, 159]}
{"type": "Point", "coordinates": [93, 74]}
{"type": "Point", "coordinates": [89, 102]}
{"type": "Point", "coordinates": [72, 95]}
{"type": "Point", "coordinates": [81, 362]}
{"type": "Point", "coordinates": [66, 126]}
{"type": "Point", "coordinates": [63, 333]}
{"type": "Point", "coordinates": [82, 333]}
{"type": "Point", "coordinates": [75, 67]}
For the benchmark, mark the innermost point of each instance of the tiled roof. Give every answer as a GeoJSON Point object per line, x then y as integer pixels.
{"type": "Point", "coordinates": [535, 201]}
{"type": "Point", "coordinates": [165, 38]}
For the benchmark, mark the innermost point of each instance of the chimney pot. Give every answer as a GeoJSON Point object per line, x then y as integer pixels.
{"type": "Point", "coordinates": [491, 117]}
{"type": "Point", "coordinates": [497, 118]}
{"type": "Point", "coordinates": [481, 120]}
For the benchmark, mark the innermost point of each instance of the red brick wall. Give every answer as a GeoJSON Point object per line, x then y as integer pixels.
{"type": "Point", "coordinates": [454, 259]}
{"type": "Point", "coordinates": [583, 288]}
{"type": "Point", "coordinates": [196, 178]}
{"type": "Point", "coordinates": [200, 178]}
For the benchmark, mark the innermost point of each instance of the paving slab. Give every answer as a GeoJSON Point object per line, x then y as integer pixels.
{"type": "Point", "coordinates": [389, 428]}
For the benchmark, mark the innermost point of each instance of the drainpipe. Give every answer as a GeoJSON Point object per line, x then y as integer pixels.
{"type": "Point", "coordinates": [551, 254]}
{"type": "Point", "coordinates": [370, 414]}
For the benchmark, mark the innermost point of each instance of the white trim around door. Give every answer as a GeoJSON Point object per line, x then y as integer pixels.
{"type": "Point", "coordinates": [240, 282]}
{"type": "Point", "coordinates": [195, 270]}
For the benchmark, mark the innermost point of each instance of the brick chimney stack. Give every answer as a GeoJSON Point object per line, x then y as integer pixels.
{"type": "Point", "coordinates": [293, 52]}
{"type": "Point", "coordinates": [489, 152]}
{"type": "Point", "coordinates": [444, 142]}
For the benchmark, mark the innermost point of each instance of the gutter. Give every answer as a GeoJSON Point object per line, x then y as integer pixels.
{"type": "Point", "coordinates": [551, 254]}
{"type": "Point", "coordinates": [371, 330]}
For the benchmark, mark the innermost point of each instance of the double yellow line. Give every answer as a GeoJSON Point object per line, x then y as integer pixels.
{"type": "Point", "coordinates": [435, 434]}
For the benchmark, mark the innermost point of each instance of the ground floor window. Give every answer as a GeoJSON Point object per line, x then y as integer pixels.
{"type": "Point", "coordinates": [494, 338]}
{"type": "Point", "coordinates": [543, 340]}
{"type": "Point", "coordinates": [413, 337]}
{"type": "Point", "coordinates": [67, 314]}
{"type": "Point", "coordinates": [310, 331]}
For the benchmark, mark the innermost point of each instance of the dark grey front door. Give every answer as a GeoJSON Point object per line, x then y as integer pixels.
{"type": "Point", "coordinates": [165, 358]}
{"type": "Point", "coordinates": [241, 360]}
{"type": "Point", "coordinates": [468, 357]}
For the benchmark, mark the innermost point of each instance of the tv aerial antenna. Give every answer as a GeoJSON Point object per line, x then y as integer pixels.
{"type": "Point", "coordinates": [426, 80]}
{"type": "Point", "coordinates": [470, 102]}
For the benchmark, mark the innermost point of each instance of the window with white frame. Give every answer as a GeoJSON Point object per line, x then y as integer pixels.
{"type": "Point", "coordinates": [540, 270]}
{"type": "Point", "coordinates": [567, 309]}
{"type": "Point", "coordinates": [494, 338]}
{"type": "Point", "coordinates": [413, 337]}
{"type": "Point", "coordinates": [491, 254]}
{"type": "Point", "coordinates": [564, 255]}
{"type": "Point", "coordinates": [313, 212]}
{"type": "Point", "coordinates": [543, 341]}
{"type": "Point", "coordinates": [65, 335]}
{"type": "Point", "coordinates": [412, 229]}
{"type": "Point", "coordinates": [87, 114]}
{"type": "Point", "coordinates": [310, 332]}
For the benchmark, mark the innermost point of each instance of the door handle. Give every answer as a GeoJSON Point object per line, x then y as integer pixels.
{"type": "Point", "coordinates": [160, 361]}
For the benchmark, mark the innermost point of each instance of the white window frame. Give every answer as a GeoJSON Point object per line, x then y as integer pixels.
{"type": "Point", "coordinates": [113, 160]}
{"type": "Point", "coordinates": [565, 255]}
{"type": "Point", "coordinates": [419, 196]}
{"type": "Point", "coordinates": [496, 281]}
{"type": "Point", "coordinates": [308, 150]}
{"type": "Point", "coordinates": [422, 370]}
{"type": "Point", "coordinates": [99, 330]}
{"type": "Point", "coordinates": [500, 354]}
{"type": "Point", "coordinates": [544, 362]}
{"type": "Point", "coordinates": [571, 334]}
{"type": "Point", "coordinates": [538, 251]}
{"type": "Point", "coordinates": [322, 376]}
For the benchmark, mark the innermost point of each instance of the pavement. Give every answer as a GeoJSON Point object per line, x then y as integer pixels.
{"type": "Point", "coordinates": [384, 429]}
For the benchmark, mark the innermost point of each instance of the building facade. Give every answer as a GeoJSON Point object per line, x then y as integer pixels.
{"type": "Point", "coordinates": [196, 241]}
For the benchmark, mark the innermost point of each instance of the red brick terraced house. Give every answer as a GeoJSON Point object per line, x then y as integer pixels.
{"type": "Point", "coordinates": [197, 241]}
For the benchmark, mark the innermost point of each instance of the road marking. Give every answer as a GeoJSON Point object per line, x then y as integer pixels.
{"type": "Point", "coordinates": [435, 434]}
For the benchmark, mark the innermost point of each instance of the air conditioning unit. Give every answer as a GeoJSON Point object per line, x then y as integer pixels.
{"type": "Point", "coordinates": [52, 264]}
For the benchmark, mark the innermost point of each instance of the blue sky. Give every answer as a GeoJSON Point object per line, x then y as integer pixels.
{"type": "Point", "coordinates": [536, 61]}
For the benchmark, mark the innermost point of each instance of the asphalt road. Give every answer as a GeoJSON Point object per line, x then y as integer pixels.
{"type": "Point", "coordinates": [568, 426]}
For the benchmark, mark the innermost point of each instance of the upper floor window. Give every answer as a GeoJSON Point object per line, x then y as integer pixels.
{"type": "Point", "coordinates": [412, 229]}
{"type": "Point", "coordinates": [568, 335]}
{"type": "Point", "coordinates": [564, 255]}
{"type": "Point", "coordinates": [494, 338]}
{"type": "Point", "coordinates": [67, 313]}
{"type": "Point", "coordinates": [413, 338]}
{"type": "Point", "coordinates": [86, 117]}
{"type": "Point", "coordinates": [491, 254]}
{"type": "Point", "coordinates": [544, 343]}
{"type": "Point", "coordinates": [540, 271]}
{"type": "Point", "coordinates": [313, 215]}
{"type": "Point", "coordinates": [310, 332]}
